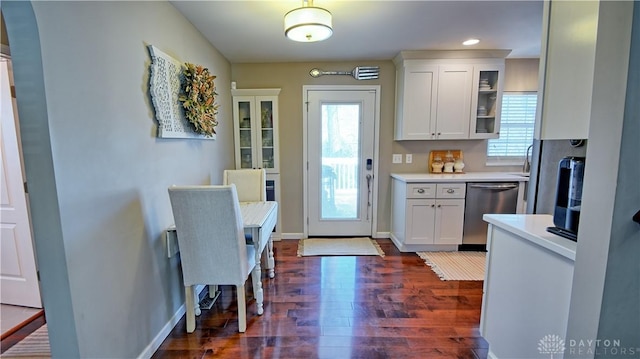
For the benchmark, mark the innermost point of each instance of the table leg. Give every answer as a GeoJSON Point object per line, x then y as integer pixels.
{"type": "Point", "coordinates": [271, 262]}
{"type": "Point", "coordinates": [256, 275]}
{"type": "Point", "coordinates": [196, 301]}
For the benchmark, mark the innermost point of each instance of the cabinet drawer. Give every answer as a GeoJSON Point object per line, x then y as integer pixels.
{"type": "Point", "coordinates": [421, 190]}
{"type": "Point", "coordinates": [450, 190]}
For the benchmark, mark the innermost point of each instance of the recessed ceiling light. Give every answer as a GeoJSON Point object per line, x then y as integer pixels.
{"type": "Point", "coordinates": [470, 42]}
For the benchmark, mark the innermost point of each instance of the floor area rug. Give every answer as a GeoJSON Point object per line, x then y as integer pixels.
{"type": "Point", "coordinates": [361, 246]}
{"type": "Point", "coordinates": [456, 265]}
{"type": "Point", "coordinates": [35, 345]}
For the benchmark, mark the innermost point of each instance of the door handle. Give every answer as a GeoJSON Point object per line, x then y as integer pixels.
{"type": "Point", "coordinates": [491, 186]}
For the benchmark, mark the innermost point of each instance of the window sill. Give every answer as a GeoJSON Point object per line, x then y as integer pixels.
{"type": "Point", "coordinates": [505, 163]}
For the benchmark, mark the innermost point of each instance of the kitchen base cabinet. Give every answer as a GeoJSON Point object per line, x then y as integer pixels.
{"type": "Point", "coordinates": [527, 286]}
{"type": "Point", "coordinates": [427, 216]}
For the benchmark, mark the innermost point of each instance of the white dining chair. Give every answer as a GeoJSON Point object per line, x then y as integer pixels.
{"type": "Point", "coordinates": [213, 249]}
{"type": "Point", "coordinates": [251, 184]}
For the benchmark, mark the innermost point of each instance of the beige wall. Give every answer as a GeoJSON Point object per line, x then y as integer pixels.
{"type": "Point", "coordinates": [97, 173]}
{"type": "Point", "coordinates": [521, 75]}
{"type": "Point", "coordinates": [290, 77]}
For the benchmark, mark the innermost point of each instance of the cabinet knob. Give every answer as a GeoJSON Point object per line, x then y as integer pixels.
{"type": "Point", "coordinates": [439, 133]}
{"type": "Point", "coordinates": [439, 206]}
{"type": "Point", "coordinates": [420, 190]}
{"type": "Point", "coordinates": [433, 205]}
{"type": "Point", "coordinates": [450, 190]}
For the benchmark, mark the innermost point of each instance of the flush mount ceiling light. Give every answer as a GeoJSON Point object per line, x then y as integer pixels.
{"type": "Point", "coordinates": [308, 23]}
{"type": "Point", "coordinates": [470, 42]}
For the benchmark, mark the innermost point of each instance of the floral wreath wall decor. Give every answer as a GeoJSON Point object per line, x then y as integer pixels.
{"type": "Point", "coordinates": [167, 85]}
{"type": "Point", "coordinates": [198, 99]}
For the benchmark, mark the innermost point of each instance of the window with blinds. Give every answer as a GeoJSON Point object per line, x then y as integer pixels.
{"type": "Point", "coordinates": [516, 128]}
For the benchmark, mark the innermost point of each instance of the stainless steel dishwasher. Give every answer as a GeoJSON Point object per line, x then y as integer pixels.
{"type": "Point", "coordinates": [482, 198]}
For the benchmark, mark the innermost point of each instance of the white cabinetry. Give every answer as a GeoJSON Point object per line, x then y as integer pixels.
{"type": "Point", "coordinates": [527, 267]}
{"type": "Point", "coordinates": [486, 101]}
{"type": "Point", "coordinates": [439, 99]}
{"type": "Point", "coordinates": [255, 123]}
{"type": "Point", "coordinates": [454, 101]}
{"type": "Point", "coordinates": [415, 101]}
{"type": "Point", "coordinates": [567, 65]}
{"type": "Point", "coordinates": [427, 216]}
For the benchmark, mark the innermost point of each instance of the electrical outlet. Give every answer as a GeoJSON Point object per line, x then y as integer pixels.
{"type": "Point", "coordinates": [408, 158]}
{"type": "Point", "coordinates": [397, 158]}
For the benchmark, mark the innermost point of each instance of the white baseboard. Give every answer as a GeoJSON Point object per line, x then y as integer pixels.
{"type": "Point", "coordinates": [292, 236]}
{"type": "Point", "coordinates": [148, 352]}
{"type": "Point", "coordinates": [301, 235]}
{"type": "Point", "coordinates": [163, 334]}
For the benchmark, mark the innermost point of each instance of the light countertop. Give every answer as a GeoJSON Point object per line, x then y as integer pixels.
{"type": "Point", "coordinates": [533, 227]}
{"type": "Point", "coordinates": [461, 177]}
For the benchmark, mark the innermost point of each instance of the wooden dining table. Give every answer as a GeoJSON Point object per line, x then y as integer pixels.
{"type": "Point", "coordinates": [259, 220]}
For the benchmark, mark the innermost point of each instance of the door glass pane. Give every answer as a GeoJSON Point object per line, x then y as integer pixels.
{"type": "Point", "coordinates": [266, 123]}
{"type": "Point", "coordinates": [244, 111]}
{"type": "Point", "coordinates": [340, 161]}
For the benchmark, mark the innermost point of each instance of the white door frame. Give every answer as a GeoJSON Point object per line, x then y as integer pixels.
{"type": "Point", "coordinates": [376, 148]}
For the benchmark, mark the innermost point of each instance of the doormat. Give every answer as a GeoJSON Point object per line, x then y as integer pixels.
{"type": "Point", "coordinates": [456, 265]}
{"type": "Point", "coordinates": [362, 246]}
{"type": "Point", "coordinates": [35, 345]}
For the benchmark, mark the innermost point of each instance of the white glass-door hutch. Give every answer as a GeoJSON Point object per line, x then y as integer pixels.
{"type": "Point", "coordinates": [255, 128]}
{"type": "Point", "coordinates": [255, 120]}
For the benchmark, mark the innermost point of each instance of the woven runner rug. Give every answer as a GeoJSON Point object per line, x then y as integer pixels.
{"type": "Point", "coordinates": [35, 345]}
{"type": "Point", "coordinates": [456, 265]}
{"type": "Point", "coordinates": [362, 246]}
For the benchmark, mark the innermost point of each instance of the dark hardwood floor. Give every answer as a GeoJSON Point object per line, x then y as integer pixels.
{"type": "Point", "coordinates": [342, 307]}
{"type": "Point", "coordinates": [14, 336]}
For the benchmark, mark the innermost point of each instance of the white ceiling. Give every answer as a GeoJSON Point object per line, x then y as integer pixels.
{"type": "Point", "coordinates": [252, 31]}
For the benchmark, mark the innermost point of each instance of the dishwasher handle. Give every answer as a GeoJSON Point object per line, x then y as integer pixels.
{"type": "Point", "coordinates": [493, 186]}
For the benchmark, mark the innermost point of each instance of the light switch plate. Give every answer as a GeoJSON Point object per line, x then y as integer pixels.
{"type": "Point", "coordinates": [408, 158]}
{"type": "Point", "coordinates": [397, 158]}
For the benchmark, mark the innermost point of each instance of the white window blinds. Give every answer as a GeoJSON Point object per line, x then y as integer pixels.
{"type": "Point", "coordinates": [516, 127]}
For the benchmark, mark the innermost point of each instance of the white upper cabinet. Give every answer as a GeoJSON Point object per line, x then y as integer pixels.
{"type": "Point", "coordinates": [454, 101]}
{"type": "Point", "coordinates": [567, 63]}
{"type": "Point", "coordinates": [486, 101]}
{"type": "Point", "coordinates": [255, 123]}
{"type": "Point", "coordinates": [416, 88]}
{"type": "Point", "coordinates": [439, 98]}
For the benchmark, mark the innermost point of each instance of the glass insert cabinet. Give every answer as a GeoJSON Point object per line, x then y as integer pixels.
{"type": "Point", "coordinates": [255, 122]}
{"type": "Point", "coordinates": [486, 100]}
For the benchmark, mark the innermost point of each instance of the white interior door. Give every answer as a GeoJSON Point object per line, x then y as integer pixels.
{"type": "Point", "coordinates": [18, 275]}
{"type": "Point", "coordinates": [340, 150]}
